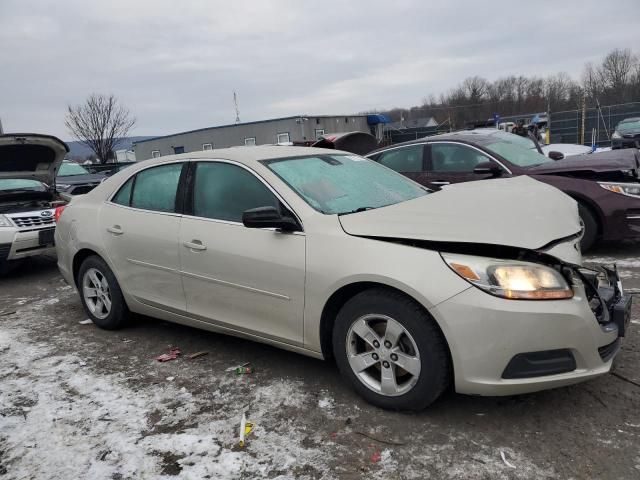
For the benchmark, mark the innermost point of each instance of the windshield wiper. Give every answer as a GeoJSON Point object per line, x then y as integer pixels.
{"type": "Point", "coordinates": [357, 210]}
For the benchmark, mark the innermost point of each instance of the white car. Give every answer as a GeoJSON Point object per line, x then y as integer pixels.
{"type": "Point", "coordinates": [327, 254]}
{"type": "Point", "coordinates": [28, 163]}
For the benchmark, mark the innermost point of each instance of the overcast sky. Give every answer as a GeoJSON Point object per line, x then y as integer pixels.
{"type": "Point", "coordinates": [175, 64]}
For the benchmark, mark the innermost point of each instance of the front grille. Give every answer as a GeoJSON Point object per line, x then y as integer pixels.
{"type": "Point", "coordinates": [32, 221]}
{"type": "Point", "coordinates": [609, 350]}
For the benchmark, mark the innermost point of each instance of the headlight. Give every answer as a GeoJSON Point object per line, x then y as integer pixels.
{"type": "Point", "coordinates": [4, 222]}
{"type": "Point", "coordinates": [510, 278]}
{"type": "Point", "coordinates": [616, 134]}
{"type": "Point", "coordinates": [63, 186]}
{"type": "Point", "coordinates": [629, 189]}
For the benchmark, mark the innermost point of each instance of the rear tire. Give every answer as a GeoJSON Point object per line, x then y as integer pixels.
{"type": "Point", "coordinates": [100, 293]}
{"type": "Point", "coordinates": [404, 334]}
{"type": "Point", "coordinates": [590, 227]}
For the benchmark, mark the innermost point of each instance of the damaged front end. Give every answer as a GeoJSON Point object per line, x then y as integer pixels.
{"type": "Point", "coordinates": [606, 297]}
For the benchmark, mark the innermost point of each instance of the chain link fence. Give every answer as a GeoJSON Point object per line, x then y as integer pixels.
{"type": "Point", "coordinates": [567, 127]}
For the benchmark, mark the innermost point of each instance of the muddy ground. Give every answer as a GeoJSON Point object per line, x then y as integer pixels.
{"type": "Point", "coordinates": [79, 402]}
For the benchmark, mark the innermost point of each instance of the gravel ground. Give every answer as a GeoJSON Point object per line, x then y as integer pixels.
{"type": "Point", "coordinates": [79, 402]}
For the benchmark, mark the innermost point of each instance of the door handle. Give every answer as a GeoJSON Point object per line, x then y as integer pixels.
{"type": "Point", "coordinates": [116, 230]}
{"type": "Point", "coordinates": [195, 245]}
{"type": "Point", "coordinates": [440, 182]}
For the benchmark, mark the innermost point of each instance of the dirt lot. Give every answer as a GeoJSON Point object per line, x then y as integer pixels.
{"type": "Point", "coordinates": [79, 402]}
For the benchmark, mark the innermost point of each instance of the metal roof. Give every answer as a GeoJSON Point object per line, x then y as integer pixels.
{"type": "Point", "coordinates": [244, 123]}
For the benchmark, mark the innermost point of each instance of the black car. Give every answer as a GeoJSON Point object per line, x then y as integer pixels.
{"type": "Point", "coordinates": [606, 185]}
{"type": "Point", "coordinates": [74, 179]}
{"type": "Point", "coordinates": [627, 134]}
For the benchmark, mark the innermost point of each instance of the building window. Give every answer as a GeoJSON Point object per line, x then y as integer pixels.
{"type": "Point", "coordinates": [155, 153]}
{"type": "Point", "coordinates": [207, 146]}
{"type": "Point", "coordinates": [319, 133]}
{"type": "Point", "coordinates": [283, 138]}
{"type": "Point", "coordinates": [250, 142]}
{"type": "Point", "coordinates": [317, 121]}
{"type": "Point", "coordinates": [178, 150]}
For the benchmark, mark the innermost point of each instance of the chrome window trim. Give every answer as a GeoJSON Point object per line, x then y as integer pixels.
{"type": "Point", "coordinates": [196, 160]}
{"type": "Point", "coordinates": [380, 152]}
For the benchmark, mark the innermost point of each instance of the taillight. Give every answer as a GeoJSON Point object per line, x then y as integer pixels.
{"type": "Point", "coordinates": [58, 212]}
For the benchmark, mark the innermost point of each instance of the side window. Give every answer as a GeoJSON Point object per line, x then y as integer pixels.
{"type": "Point", "coordinates": [123, 197]}
{"type": "Point", "coordinates": [223, 192]}
{"type": "Point", "coordinates": [404, 160]}
{"type": "Point", "coordinates": [156, 188]}
{"type": "Point", "coordinates": [451, 157]}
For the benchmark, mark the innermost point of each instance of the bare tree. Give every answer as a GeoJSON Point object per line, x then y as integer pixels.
{"type": "Point", "coordinates": [616, 70]}
{"type": "Point", "coordinates": [100, 123]}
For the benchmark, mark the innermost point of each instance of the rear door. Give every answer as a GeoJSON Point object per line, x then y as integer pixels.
{"type": "Point", "coordinates": [408, 160]}
{"type": "Point", "coordinates": [141, 225]}
{"type": "Point", "coordinates": [450, 162]}
{"type": "Point", "coordinates": [248, 279]}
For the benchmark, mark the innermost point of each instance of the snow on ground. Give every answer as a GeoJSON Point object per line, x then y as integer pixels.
{"type": "Point", "coordinates": [629, 262]}
{"type": "Point", "coordinates": [61, 418]}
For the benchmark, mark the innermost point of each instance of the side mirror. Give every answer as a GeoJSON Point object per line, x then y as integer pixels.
{"type": "Point", "coordinates": [487, 168]}
{"type": "Point", "coordinates": [269, 217]}
{"type": "Point", "coordinates": [553, 155]}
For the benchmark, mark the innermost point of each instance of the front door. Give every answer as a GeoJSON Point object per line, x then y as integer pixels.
{"type": "Point", "coordinates": [449, 162]}
{"type": "Point", "coordinates": [246, 279]}
{"type": "Point", "coordinates": [140, 232]}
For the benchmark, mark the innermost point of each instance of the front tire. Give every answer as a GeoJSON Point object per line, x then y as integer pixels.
{"type": "Point", "coordinates": [590, 227]}
{"type": "Point", "coordinates": [391, 350]}
{"type": "Point", "coordinates": [101, 295]}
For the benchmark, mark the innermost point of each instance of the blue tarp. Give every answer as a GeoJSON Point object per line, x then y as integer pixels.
{"type": "Point", "coordinates": [376, 118]}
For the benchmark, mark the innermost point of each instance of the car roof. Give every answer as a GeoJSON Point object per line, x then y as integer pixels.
{"type": "Point", "coordinates": [247, 155]}
{"type": "Point", "coordinates": [478, 136]}
{"type": "Point", "coordinates": [631, 119]}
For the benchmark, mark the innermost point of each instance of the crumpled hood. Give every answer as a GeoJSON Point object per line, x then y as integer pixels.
{"type": "Point", "coordinates": [31, 156]}
{"type": "Point", "coordinates": [516, 212]}
{"type": "Point", "coordinates": [611, 161]}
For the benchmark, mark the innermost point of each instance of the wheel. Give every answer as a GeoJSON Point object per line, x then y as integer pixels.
{"type": "Point", "coordinates": [590, 225]}
{"type": "Point", "coordinates": [391, 350]}
{"type": "Point", "coordinates": [101, 295]}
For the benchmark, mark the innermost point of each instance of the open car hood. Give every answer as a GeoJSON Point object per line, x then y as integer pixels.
{"type": "Point", "coordinates": [514, 212]}
{"type": "Point", "coordinates": [611, 161]}
{"type": "Point", "coordinates": [31, 156]}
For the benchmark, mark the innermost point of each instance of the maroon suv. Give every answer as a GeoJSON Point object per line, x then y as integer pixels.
{"type": "Point", "coordinates": [606, 185]}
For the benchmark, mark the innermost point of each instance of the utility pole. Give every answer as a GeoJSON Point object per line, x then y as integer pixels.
{"type": "Point", "coordinates": [1, 130]}
{"type": "Point", "coordinates": [584, 114]}
{"type": "Point", "coordinates": [235, 103]}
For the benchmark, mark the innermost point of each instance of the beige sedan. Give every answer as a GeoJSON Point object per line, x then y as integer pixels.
{"type": "Point", "coordinates": [331, 255]}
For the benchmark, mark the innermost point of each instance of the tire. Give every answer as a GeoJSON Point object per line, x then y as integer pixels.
{"type": "Point", "coordinates": [95, 271]}
{"type": "Point", "coordinates": [590, 227]}
{"type": "Point", "coordinates": [420, 341]}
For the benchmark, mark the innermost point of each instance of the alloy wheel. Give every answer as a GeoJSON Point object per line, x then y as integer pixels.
{"type": "Point", "coordinates": [383, 355]}
{"type": "Point", "coordinates": [96, 293]}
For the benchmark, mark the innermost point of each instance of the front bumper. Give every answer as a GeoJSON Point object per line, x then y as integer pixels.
{"type": "Point", "coordinates": [486, 333]}
{"type": "Point", "coordinates": [16, 244]}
